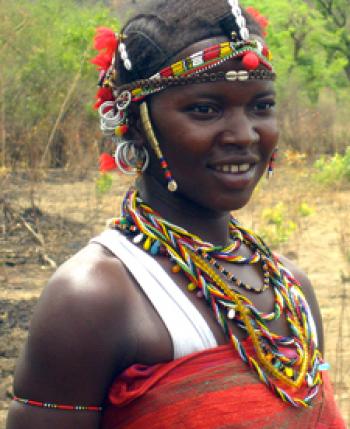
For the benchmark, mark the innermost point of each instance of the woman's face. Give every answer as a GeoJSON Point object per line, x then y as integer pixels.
{"type": "Point", "coordinates": [217, 137]}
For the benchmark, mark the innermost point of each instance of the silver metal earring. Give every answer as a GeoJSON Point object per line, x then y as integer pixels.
{"type": "Point", "coordinates": [131, 159]}
{"type": "Point", "coordinates": [108, 119]}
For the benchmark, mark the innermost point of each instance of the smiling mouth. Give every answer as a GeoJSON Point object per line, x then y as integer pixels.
{"type": "Point", "coordinates": [232, 168]}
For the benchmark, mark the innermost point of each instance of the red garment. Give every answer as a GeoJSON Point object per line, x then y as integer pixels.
{"type": "Point", "coordinates": [212, 389]}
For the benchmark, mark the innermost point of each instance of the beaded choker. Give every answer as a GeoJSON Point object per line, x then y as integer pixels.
{"type": "Point", "coordinates": [289, 366]}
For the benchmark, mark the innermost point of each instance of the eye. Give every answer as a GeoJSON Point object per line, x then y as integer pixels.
{"type": "Point", "coordinates": [264, 106]}
{"type": "Point", "coordinates": [202, 111]}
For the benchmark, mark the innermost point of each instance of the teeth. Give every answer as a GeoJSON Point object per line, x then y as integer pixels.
{"type": "Point", "coordinates": [244, 167]}
{"type": "Point", "coordinates": [232, 168]}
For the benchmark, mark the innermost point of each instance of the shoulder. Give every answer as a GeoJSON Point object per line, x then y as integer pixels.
{"type": "Point", "coordinates": [80, 333]}
{"type": "Point", "coordinates": [92, 280]}
{"type": "Point", "coordinates": [309, 293]}
{"type": "Point", "coordinates": [90, 290]}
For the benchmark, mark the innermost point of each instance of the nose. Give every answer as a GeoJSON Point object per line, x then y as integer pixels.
{"type": "Point", "coordinates": [239, 129]}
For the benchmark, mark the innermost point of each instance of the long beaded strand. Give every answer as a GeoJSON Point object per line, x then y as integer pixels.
{"type": "Point", "coordinates": [198, 261]}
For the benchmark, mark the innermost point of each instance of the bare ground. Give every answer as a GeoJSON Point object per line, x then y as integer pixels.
{"type": "Point", "coordinates": [67, 212]}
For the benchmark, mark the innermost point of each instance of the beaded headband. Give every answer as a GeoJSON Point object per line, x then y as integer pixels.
{"type": "Point", "coordinates": [252, 53]}
{"type": "Point", "coordinates": [113, 101]}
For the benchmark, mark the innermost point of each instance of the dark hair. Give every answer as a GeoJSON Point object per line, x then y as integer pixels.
{"type": "Point", "coordinates": [166, 27]}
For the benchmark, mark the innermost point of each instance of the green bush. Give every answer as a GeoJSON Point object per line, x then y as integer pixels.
{"type": "Point", "coordinates": [334, 169]}
{"type": "Point", "coordinates": [304, 210]}
{"type": "Point", "coordinates": [278, 228]}
{"type": "Point", "coordinates": [103, 184]}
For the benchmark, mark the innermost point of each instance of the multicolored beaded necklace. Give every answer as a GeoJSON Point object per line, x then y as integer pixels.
{"type": "Point", "coordinates": [280, 362]}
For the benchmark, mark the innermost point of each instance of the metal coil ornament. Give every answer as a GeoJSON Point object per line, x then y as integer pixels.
{"type": "Point", "coordinates": [131, 159]}
{"type": "Point", "coordinates": [109, 120]}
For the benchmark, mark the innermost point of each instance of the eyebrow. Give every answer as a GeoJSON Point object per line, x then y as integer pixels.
{"type": "Point", "coordinates": [217, 95]}
{"type": "Point", "coordinates": [266, 93]}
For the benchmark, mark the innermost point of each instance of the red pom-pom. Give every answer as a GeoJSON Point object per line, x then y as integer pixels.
{"type": "Point", "coordinates": [106, 40]}
{"type": "Point", "coordinates": [103, 94]}
{"type": "Point", "coordinates": [251, 61]}
{"type": "Point", "coordinates": [260, 19]}
{"type": "Point", "coordinates": [106, 43]}
{"type": "Point", "coordinates": [102, 61]}
{"type": "Point", "coordinates": [107, 162]}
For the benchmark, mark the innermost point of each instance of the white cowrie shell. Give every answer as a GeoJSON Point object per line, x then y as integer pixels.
{"type": "Point", "coordinates": [127, 64]}
{"type": "Point", "coordinates": [244, 33]}
{"type": "Point", "coordinates": [233, 3]}
{"type": "Point", "coordinates": [231, 76]}
{"type": "Point", "coordinates": [122, 49]}
{"type": "Point", "coordinates": [243, 75]}
{"type": "Point", "coordinates": [237, 11]}
{"type": "Point", "coordinates": [241, 22]}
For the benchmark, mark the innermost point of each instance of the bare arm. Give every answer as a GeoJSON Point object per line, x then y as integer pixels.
{"type": "Point", "coordinates": [79, 340]}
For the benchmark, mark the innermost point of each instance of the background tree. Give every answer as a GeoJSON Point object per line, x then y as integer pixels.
{"type": "Point", "coordinates": [337, 15]}
{"type": "Point", "coordinates": [47, 79]}
{"type": "Point", "coordinates": [47, 82]}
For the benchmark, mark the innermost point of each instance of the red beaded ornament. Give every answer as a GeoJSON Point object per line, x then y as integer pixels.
{"type": "Point", "coordinates": [251, 61]}
{"type": "Point", "coordinates": [49, 405]}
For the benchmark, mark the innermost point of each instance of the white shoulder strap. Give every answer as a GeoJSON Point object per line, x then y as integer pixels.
{"type": "Point", "coordinates": [188, 329]}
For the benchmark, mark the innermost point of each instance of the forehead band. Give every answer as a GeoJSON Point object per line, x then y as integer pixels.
{"type": "Point", "coordinates": [196, 68]}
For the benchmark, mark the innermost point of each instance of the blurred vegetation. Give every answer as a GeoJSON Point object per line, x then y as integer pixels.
{"type": "Point", "coordinates": [277, 226]}
{"type": "Point", "coordinates": [280, 222]}
{"type": "Point", "coordinates": [47, 83]}
{"type": "Point", "coordinates": [333, 170]}
{"type": "Point", "coordinates": [103, 184]}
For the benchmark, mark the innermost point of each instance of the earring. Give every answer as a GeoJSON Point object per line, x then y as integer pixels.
{"type": "Point", "coordinates": [131, 159]}
{"type": "Point", "coordinates": [109, 121]}
{"type": "Point", "coordinates": [147, 125]}
{"type": "Point", "coordinates": [271, 166]}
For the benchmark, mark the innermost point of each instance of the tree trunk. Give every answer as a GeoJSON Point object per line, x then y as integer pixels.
{"type": "Point", "coordinates": [3, 121]}
{"type": "Point", "coordinates": [347, 71]}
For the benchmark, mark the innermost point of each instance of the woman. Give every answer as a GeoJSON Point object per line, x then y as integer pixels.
{"type": "Point", "coordinates": [178, 316]}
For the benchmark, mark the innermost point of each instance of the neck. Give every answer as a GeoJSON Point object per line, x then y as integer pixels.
{"type": "Point", "coordinates": [207, 224]}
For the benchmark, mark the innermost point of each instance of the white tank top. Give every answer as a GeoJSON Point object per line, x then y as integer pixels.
{"type": "Point", "coordinates": [188, 329]}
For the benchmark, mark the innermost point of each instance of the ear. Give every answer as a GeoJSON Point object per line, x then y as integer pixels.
{"type": "Point", "coordinates": [136, 131]}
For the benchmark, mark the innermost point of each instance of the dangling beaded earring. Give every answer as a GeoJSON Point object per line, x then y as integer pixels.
{"type": "Point", "coordinates": [147, 125]}
{"type": "Point", "coordinates": [271, 166]}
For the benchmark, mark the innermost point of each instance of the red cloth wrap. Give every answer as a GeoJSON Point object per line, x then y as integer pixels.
{"type": "Point", "coordinates": [209, 390]}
